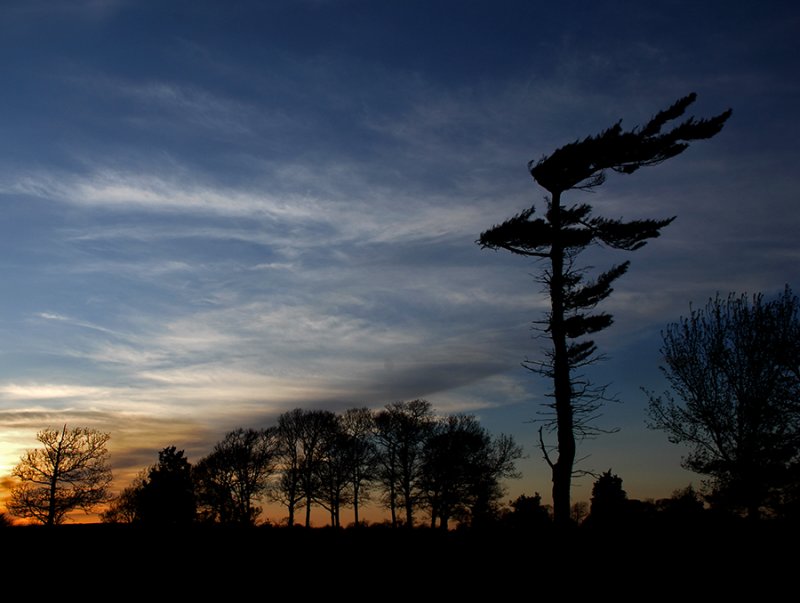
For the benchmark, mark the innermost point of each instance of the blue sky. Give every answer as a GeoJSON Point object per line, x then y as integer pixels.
{"type": "Point", "coordinates": [213, 212]}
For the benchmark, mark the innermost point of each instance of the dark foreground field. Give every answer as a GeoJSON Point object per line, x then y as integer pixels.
{"type": "Point", "coordinates": [380, 564]}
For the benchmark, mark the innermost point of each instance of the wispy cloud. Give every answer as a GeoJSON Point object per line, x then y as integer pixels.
{"type": "Point", "coordinates": [60, 318]}
{"type": "Point", "coordinates": [163, 104]}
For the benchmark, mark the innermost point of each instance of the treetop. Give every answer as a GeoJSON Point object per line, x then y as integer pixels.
{"type": "Point", "coordinates": [582, 164]}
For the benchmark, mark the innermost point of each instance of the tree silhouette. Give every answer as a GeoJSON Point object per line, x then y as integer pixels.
{"type": "Point", "coordinates": [304, 441]}
{"type": "Point", "coordinates": [527, 513]}
{"type": "Point", "coordinates": [462, 468]}
{"type": "Point", "coordinates": [334, 473]}
{"type": "Point", "coordinates": [453, 457]}
{"type": "Point", "coordinates": [734, 369]}
{"type": "Point", "coordinates": [608, 504]}
{"type": "Point", "coordinates": [69, 472]}
{"type": "Point", "coordinates": [559, 237]}
{"type": "Point", "coordinates": [235, 474]}
{"type": "Point", "coordinates": [316, 438]}
{"type": "Point", "coordinates": [358, 426]}
{"type": "Point", "coordinates": [126, 506]}
{"type": "Point", "coordinates": [685, 504]}
{"type": "Point", "coordinates": [580, 509]}
{"type": "Point", "coordinates": [167, 497]}
{"type": "Point", "coordinates": [401, 431]}
{"type": "Point", "coordinates": [288, 490]}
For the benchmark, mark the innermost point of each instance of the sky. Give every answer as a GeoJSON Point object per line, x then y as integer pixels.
{"type": "Point", "coordinates": [215, 212]}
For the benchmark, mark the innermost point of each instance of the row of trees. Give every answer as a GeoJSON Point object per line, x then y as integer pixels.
{"type": "Point", "coordinates": [409, 458]}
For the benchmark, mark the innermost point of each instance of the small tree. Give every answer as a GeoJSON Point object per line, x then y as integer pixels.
{"type": "Point", "coordinates": [559, 237]}
{"type": "Point", "coordinates": [167, 497]}
{"type": "Point", "coordinates": [608, 500]}
{"type": "Point", "coordinates": [527, 513]}
{"type": "Point", "coordinates": [684, 504]}
{"type": "Point", "coordinates": [734, 371]}
{"type": "Point", "coordinates": [69, 472]}
{"type": "Point", "coordinates": [580, 509]}
{"type": "Point", "coordinates": [124, 508]}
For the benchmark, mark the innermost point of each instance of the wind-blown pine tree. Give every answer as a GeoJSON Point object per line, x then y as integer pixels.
{"type": "Point", "coordinates": [559, 237]}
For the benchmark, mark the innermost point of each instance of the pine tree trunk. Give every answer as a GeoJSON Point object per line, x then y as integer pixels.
{"type": "Point", "coordinates": [562, 387]}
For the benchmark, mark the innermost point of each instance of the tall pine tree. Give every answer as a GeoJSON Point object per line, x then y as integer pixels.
{"type": "Point", "coordinates": [559, 237]}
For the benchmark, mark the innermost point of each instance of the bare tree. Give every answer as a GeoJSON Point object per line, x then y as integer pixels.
{"type": "Point", "coordinates": [317, 426]}
{"type": "Point", "coordinates": [402, 429]}
{"type": "Point", "coordinates": [303, 436]}
{"type": "Point", "coordinates": [333, 471]}
{"type": "Point", "coordinates": [463, 468]}
{"type": "Point", "coordinates": [236, 473]}
{"type": "Point", "coordinates": [69, 472]}
{"type": "Point", "coordinates": [358, 425]}
{"type": "Point", "coordinates": [125, 507]}
{"type": "Point", "coordinates": [288, 490]}
{"type": "Point", "coordinates": [734, 374]}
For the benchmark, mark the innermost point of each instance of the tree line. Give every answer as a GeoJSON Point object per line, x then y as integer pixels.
{"type": "Point", "coordinates": [404, 456]}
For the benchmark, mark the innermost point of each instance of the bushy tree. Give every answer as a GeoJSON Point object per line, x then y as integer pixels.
{"type": "Point", "coordinates": [734, 372]}
{"type": "Point", "coordinates": [558, 237]}
{"type": "Point", "coordinates": [167, 496]}
{"type": "Point", "coordinates": [68, 472]}
{"type": "Point", "coordinates": [684, 504]}
{"type": "Point", "coordinates": [527, 513]}
{"type": "Point", "coordinates": [608, 504]}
